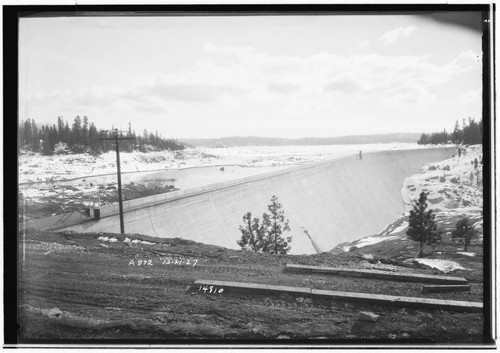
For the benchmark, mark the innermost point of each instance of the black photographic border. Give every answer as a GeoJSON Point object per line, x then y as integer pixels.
{"type": "Point", "coordinates": [11, 15]}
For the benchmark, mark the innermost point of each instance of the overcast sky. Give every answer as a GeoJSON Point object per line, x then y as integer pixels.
{"type": "Point", "coordinates": [282, 76]}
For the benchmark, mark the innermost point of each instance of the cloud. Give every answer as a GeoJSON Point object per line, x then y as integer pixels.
{"type": "Point", "coordinates": [283, 88]}
{"type": "Point", "coordinates": [396, 80]}
{"type": "Point", "coordinates": [191, 92]}
{"type": "Point", "coordinates": [364, 44]}
{"type": "Point", "coordinates": [392, 36]}
{"type": "Point", "coordinates": [240, 80]}
{"type": "Point", "coordinates": [343, 85]}
{"type": "Point", "coordinates": [468, 98]}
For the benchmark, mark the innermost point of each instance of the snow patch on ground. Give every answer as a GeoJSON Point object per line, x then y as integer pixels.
{"type": "Point", "coordinates": [400, 228]}
{"type": "Point", "coordinates": [441, 265]}
{"type": "Point", "coordinates": [466, 253]}
{"type": "Point", "coordinates": [454, 184]}
{"type": "Point", "coordinates": [454, 189]}
{"type": "Point", "coordinates": [370, 241]}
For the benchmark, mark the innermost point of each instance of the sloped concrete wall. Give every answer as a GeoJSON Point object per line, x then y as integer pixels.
{"type": "Point", "coordinates": [336, 201]}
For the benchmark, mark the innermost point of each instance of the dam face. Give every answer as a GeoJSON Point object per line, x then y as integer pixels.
{"type": "Point", "coordinates": [336, 201]}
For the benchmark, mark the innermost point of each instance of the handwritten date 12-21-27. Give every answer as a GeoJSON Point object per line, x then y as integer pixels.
{"type": "Point", "coordinates": [164, 261]}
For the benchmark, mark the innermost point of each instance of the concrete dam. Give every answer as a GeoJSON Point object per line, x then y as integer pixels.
{"type": "Point", "coordinates": [335, 201]}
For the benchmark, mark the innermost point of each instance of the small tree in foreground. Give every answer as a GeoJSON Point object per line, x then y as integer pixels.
{"type": "Point", "coordinates": [253, 234]}
{"type": "Point", "coordinates": [422, 227]}
{"type": "Point", "coordinates": [267, 236]}
{"type": "Point", "coordinates": [464, 230]}
{"type": "Point", "coordinates": [277, 226]}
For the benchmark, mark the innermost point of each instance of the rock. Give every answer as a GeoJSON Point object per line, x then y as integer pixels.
{"type": "Point", "coordinates": [453, 204]}
{"type": "Point", "coordinates": [283, 337]}
{"type": "Point", "coordinates": [353, 248]}
{"type": "Point", "coordinates": [442, 179]}
{"type": "Point", "coordinates": [367, 256]}
{"type": "Point", "coordinates": [446, 167]}
{"type": "Point", "coordinates": [454, 180]}
{"type": "Point", "coordinates": [54, 312]}
{"type": "Point", "coordinates": [436, 200]}
{"type": "Point", "coordinates": [432, 167]}
{"type": "Point", "coordinates": [405, 335]}
{"type": "Point", "coordinates": [368, 316]}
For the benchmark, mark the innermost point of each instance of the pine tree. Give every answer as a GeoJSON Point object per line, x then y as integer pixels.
{"type": "Point", "coordinates": [456, 135]}
{"type": "Point", "coordinates": [67, 135]}
{"type": "Point", "coordinates": [422, 227]}
{"type": "Point", "coordinates": [60, 126]}
{"type": "Point", "coordinates": [253, 234]}
{"type": "Point", "coordinates": [35, 145]}
{"type": "Point", "coordinates": [266, 236]}
{"type": "Point", "coordinates": [277, 226]}
{"type": "Point", "coordinates": [28, 133]}
{"type": "Point", "coordinates": [464, 230]}
{"type": "Point", "coordinates": [85, 131]}
{"type": "Point", "coordinates": [77, 130]}
{"type": "Point", "coordinates": [93, 135]}
{"type": "Point", "coordinates": [424, 140]}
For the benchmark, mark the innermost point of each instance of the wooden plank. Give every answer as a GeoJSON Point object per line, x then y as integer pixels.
{"type": "Point", "coordinates": [446, 288]}
{"type": "Point", "coordinates": [379, 299]}
{"type": "Point", "coordinates": [395, 276]}
{"type": "Point", "coordinates": [363, 298]}
{"type": "Point", "coordinates": [254, 287]}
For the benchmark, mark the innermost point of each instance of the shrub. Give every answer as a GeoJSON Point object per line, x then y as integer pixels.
{"type": "Point", "coordinates": [465, 231]}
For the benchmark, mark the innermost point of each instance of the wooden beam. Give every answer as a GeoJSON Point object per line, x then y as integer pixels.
{"type": "Point", "coordinates": [253, 288]}
{"type": "Point", "coordinates": [395, 276]}
{"type": "Point", "coordinates": [379, 299]}
{"type": "Point", "coordinates": [446, 288]}
{"type": "Point", "coordinates": [362, 298]}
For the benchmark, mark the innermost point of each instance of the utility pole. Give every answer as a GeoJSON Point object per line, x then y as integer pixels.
{"type": "Point", "coordinates": [120, 199]}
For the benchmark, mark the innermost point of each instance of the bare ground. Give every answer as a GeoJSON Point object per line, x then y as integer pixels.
{"type": "Point", "coordinates": [136, 291]}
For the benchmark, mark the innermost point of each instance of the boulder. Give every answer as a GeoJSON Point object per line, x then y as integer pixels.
{"type": "Point", "coordinates": [368, 316]}
{"type": "Point", "coordinates": [436, 200]}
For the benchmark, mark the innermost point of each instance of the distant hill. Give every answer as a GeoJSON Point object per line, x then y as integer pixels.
{"type": "Point", "coordinates": [306, 141]}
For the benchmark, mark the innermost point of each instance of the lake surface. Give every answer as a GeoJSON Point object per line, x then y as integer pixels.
{"type": "Point", "coordinates": [181, 178]}
{"type": "Point", "coordinates": [237, 162]}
